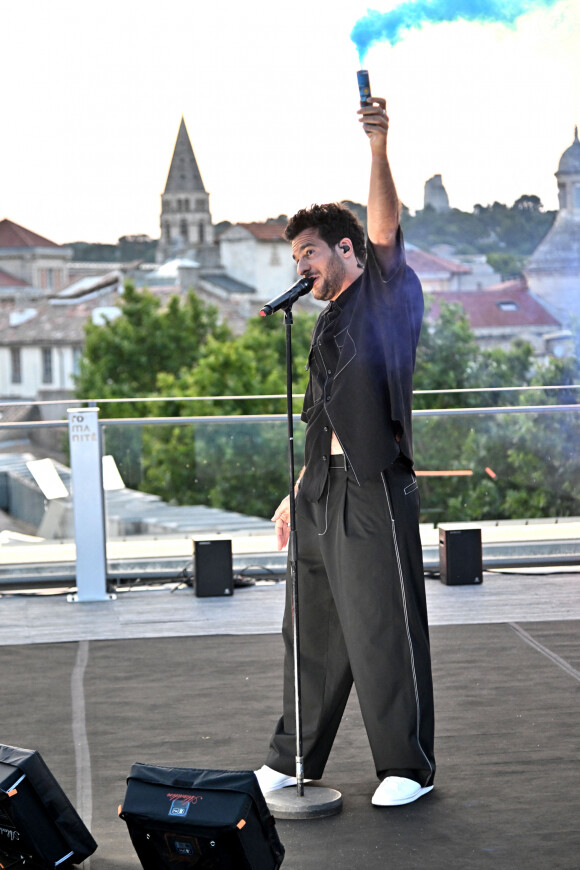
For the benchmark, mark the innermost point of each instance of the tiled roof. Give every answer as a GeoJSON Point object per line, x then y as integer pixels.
{"type": "Point", "coordinates": [51, 324]}
{"type": "Point", "coordinates": [226, 282]}
{"type": "Point", "coordinates": [424, 263]}
{"type": "Point", "coordinates": [12, 235]}
{"type": "Point", "coordinates": [268, 232]}
{"type": "Point", "coordinates": [507, 305]}
{"type": "Point", "coordinates": [8, 280]}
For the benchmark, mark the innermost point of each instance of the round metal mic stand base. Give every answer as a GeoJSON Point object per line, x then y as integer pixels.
{"type": "Point", "coordinates": [315, 803]}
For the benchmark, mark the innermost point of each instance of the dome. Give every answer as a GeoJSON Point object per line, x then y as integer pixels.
{"type": "Point", "coordinates": [570, 159]}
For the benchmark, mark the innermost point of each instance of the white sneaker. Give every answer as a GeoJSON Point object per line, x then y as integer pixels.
{"type": "Point", "coordinates": [397, 790]}
{"type": "Point", "coordinates": [271, 780]}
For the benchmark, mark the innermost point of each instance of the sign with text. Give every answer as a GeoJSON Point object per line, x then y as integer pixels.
{"type": "Point", "coordinates": [88, 503]}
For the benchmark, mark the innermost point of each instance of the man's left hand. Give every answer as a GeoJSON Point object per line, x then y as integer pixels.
{"type": "Point", "coordinates": [375, 122]}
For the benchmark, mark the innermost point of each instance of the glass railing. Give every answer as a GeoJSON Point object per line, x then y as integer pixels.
{"type": "Point", "coordinates": [503, 458]}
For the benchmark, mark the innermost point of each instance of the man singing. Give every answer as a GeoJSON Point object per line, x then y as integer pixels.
{"type": "Point", "coordinates": [363, 614]}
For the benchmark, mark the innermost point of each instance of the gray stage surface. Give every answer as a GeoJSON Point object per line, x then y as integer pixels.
{"type": "Point", "coordinates": [507, 703]}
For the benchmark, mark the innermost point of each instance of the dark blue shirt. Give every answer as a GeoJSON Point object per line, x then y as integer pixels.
{"type": "Point", "coordinates": [361, 365]}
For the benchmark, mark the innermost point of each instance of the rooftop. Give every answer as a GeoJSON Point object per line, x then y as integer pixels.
{"type": "Point", "coordinates": [423, 263]}
{"type": "Point", "coordinates": [184, 175]}
{"type": "Point", "coordinates": [265, 232]}
{"type": "Point", "coordinates": [12, 235]}
{"type": "Point", "coordinates": [570, 159]}
{"type": "Point", "coordinates": [8, 280]}
{"type": "Point", "coordinates": [509, 304]}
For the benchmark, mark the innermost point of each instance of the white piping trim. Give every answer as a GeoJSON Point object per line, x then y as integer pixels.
{"type": "Point", "coordinates": [409, 640]}
{"type": "Point", "coordinates": [321, 534]}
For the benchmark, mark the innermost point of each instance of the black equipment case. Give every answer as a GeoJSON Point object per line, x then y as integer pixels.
{"type": "Point", "coordinates": [39, 827]}
{"type": "Point", "coordinates": [204, 819]}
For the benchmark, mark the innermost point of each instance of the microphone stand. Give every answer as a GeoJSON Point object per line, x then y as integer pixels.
{"type": "Point", "coordinates": [313, 802]}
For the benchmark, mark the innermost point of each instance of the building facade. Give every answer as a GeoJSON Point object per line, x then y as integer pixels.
{"type": "Point", "coordinates": [553, 270]}
{"type": "Point", "coordinates": [258, 255]}
{"type": "Point", "coordinates": [33, 260]}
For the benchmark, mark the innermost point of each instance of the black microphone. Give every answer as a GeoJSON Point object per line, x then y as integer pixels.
{"type": "Point", "coordinates": [289, 297]}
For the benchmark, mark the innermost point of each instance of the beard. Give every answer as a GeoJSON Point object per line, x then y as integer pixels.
{"type": "Point", "coordinates": [330, 285]}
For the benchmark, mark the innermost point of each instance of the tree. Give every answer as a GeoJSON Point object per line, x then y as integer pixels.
{"type": "Point", "coordinates": [491, 229]}
{"type": "Point", "coordinates": [529, 203]}
{"type": "Point", "coordinates": [138, 247]}
{"type": "Point", "coordinates": [187, 464]}
{"type": "Point", "coordinates": [122, 358]}
{"type": "Point", "coordinates": [507, 265]}
{"type": "Point", "coordinates": [522, 465]}
{"type": "Point", "coordinates": [446, 354]}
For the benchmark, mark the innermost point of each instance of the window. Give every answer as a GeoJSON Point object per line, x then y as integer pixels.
{"type": "Point", "coordinates": [16, 367]}
{"type": "Point", "coordinates": [47, 365]}
{"type": "Point", "coordinates": [46, 277]}
{"type": "Point", "coordinates": [576, 197]}
{"type": "Point", "coordinates": [507, 306]}
{"type": "Point", "coordinates": [184, 230]}
{"type": "Point", "coordinates": [562, 195]}
{"type": "Point", "coordinates": [77, 354]}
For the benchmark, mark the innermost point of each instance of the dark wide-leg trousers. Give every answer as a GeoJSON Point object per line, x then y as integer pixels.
{"type": "Point", "coordinates": [362, 617]}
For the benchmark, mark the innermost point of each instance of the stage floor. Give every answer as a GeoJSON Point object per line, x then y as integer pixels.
{"type": "Point", "coordinates": [195, 682]}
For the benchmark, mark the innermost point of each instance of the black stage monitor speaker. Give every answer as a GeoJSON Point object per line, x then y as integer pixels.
{"type": "Point", "coordinates": [460, 558]}
{"type": "Point", "coordinates": [213, 572]}
{"type": "Point", "coordinates": [181, 818]}
{"type": "Point", "coordinates": [39, 827]}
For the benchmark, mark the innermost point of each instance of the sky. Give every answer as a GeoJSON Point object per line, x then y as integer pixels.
{"type": "Point", "coordinates": [93, 94]}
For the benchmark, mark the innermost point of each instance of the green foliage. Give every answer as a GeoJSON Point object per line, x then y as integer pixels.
{"type": "Point", "coordinates": [445, 356]}
{"type": "Point", "coordinates": [123, 357]}
{"type": "Point", "coordinates": [507, 265]}
{"type": "Point", "coordinates": [242, 466]}
{"type": "Point", "coordinates": [127, 249]}
{"type": "Point", "coordinates": [523, 465]}
{"type": "Point", "coordinates": [497, 229]}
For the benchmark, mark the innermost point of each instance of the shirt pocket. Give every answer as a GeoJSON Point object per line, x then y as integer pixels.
{"type": "Point", "coordinates": [411, 487]}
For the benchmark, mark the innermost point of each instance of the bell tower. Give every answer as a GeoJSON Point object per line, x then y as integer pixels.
{"type": "Point", "coordinates": [553, 270]}
{"type": "Point", "coordinates": [186, 225]}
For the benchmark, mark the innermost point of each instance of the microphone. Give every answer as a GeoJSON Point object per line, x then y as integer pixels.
{"type": "Point", "coordinates": [289, 297]}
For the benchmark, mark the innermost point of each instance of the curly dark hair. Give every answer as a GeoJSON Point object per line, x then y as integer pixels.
{"type": "Point", "coordinates": [333, 222]}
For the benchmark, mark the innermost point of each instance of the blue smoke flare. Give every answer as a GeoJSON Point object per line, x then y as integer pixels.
{"type": "Point", "coordinates": [391, 26]}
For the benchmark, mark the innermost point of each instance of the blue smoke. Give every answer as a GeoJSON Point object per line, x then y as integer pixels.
{"type": "Point", "coordinates": [391, 26]}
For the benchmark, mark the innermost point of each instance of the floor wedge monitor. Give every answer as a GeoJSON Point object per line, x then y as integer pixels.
{"type": "Point", "coordinates": [39, 827]}
{"type": "Point", "coordinates": [180, 818]}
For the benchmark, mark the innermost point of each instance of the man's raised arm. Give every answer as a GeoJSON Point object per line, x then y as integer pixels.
{"type": "Point", "coordinates": [383, 210]}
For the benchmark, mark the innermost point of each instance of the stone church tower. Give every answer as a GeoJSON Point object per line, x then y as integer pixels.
{"type": "Point", "coordinates": [186, 225]}
{"type": "Point", "coordinates": [553, 270]}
